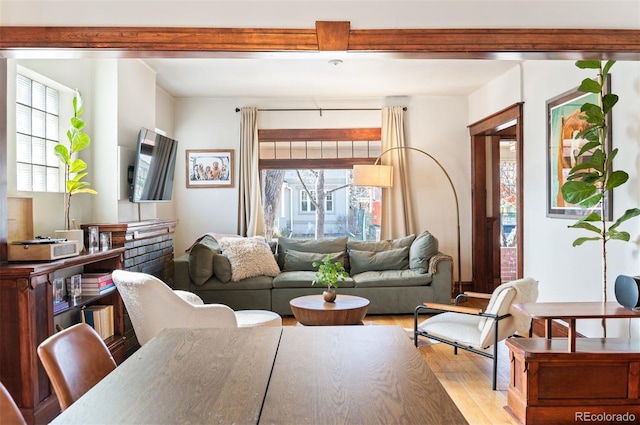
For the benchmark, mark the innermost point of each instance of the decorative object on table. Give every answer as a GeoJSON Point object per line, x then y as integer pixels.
{"type": "Point", "coordinates": [94, 242]}
{"type": "Point", "coordinates": [329, 273]}
{"type": "Point", "coordinates": [382, 176]}
{"type": "Point", "coordinates": [74, 168]}
{"type": "Point", "coordinates": [59, 300]}
{"type": "Point", "coordinates": [74, 287]}
{"type": "Point", "coordinates": [105, 241]}
{"type": "Point", "coordinates": [209, 168]}
{"type": "Point", "coordinates": [627, 290]}
{"type": "Point", "coordinates": [593, 175]}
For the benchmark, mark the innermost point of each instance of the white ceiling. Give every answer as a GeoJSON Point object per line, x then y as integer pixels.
{"type": "Point", "coordinates": [358, 76]}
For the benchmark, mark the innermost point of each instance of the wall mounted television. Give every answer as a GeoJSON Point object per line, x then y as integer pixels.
{"type": "Point", "coordinates": [154, 168]}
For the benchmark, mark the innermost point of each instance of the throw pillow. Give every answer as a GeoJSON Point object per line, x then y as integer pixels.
{"type": "Point", "coordinates": [384, 245]}
{"type": "Point", "coordinates": [221, 268]}
{"type": "Point", "coordinates": [303, 261]}
{"type": "Point", "coordinates": [249, 257]}
{"type": "Point", "coordinates": [422, 249]}
{"type": "Point", "coordinates": [322, 246]}
{"type": "Point", "coordinates": [201, 259]}
{"type": "Point", "coordinates": [368, 261]}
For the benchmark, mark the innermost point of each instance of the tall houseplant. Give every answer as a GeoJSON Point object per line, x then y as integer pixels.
{"type": "Point", "coordinates": [594, 173]}
{"type": "Point", "coordinates": [74, 167]}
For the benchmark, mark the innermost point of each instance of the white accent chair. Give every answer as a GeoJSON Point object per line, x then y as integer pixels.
{"type": "Point", "coordinates": [475, 330]}
{"type": "Point", "coordinates": [153, 306]}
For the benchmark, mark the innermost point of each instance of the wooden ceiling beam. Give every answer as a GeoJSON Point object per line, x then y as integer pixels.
{"type": "Point", "coordinates": [489, 43]}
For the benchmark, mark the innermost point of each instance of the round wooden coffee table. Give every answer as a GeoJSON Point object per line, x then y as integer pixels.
{"type": "Point", "coordinates": [312, 310]}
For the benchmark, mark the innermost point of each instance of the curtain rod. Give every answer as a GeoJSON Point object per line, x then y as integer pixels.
{"type": "Point", "coordinates": [320, 109]}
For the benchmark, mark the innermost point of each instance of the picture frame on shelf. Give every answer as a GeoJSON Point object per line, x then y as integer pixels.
{"type": "Point", "coordinates": [58, 290]}
{"type": "Point", "coordinates": [210, 168]}
{"type": "Point", "coordinates": [563, 123]}
{"type": "Point", "coordinates": [74, 287]}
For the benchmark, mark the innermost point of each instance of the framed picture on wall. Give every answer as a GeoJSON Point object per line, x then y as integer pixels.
{"type": "Point", "coordinates": [209, 168]}
{"type": "Point", "coordinates": [563, 115]}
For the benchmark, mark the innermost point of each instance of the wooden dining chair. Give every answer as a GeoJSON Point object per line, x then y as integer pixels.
{"type": "Point", "coordinates": [75, 359]}
{"type": "Point", "coordinates": [9, 411]}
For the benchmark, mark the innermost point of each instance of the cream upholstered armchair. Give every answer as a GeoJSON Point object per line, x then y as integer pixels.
{"type": "Point", "coordinates": [475, 329]}
{"type": "Point", "coordinates": [153, 306]}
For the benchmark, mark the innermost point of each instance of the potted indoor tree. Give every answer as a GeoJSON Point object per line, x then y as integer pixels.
{"type": "Point", "coordinates": [74, 168]}
{"type": "Point", "coordinates": [594, 174]}
{"type": "Point", "coordinates": [329, 273]}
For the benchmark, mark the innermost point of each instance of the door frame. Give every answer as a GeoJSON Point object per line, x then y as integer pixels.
{"type": "Point", "coordinates": [485, 244]}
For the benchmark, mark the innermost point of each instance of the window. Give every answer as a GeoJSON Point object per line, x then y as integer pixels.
{"type": "Point", "coordinates": [320, 160]}
{"type": "Point", "coordinates": [307, 206]}
{"type": "Point", "coordinates": [37, 132]}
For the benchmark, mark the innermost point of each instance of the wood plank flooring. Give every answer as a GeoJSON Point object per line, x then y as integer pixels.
{"type": "Point", "coordinates": [465, 376]}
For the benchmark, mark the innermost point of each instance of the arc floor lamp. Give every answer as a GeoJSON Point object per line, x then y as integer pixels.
{"type": "Point", "coordinates": [382, 176]}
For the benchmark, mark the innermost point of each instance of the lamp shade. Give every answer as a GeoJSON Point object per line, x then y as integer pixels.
{"type": "Point", "coordinates": [373, 175]}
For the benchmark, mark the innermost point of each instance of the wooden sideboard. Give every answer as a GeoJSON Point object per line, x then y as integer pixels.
{"type": "Point", "coordinates": [572, 380]}
{"type": "Point", "coordinates": [27, 318]}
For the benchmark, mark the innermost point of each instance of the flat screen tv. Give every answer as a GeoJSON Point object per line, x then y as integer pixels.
{"type": "Point", "coordinates": [154, 167]}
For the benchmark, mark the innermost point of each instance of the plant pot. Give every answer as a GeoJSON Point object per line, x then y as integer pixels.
{"type": "Point", "coordinates": [73, 235]}
{"type": "Point", "coordinates": [329, 295]}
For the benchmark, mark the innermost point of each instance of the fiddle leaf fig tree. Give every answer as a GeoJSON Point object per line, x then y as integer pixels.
{"type": "Point", "coordinates": [594, 174]}
{"type": "Point", "coordinates": [74, 167]}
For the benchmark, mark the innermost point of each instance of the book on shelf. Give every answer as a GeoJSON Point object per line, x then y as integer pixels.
{"type": "Point", "coordinates": [59, 306]}
{"type": "Point", "coordinates": [100, 318]}
{"type": "Point", "coordinates": [96, 277]}
{"type": "Point", "coordinates": [97, 291]}
{"type": "Point", "coordinates": [96, 283]}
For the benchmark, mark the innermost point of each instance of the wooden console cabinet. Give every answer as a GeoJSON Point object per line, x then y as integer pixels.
{"type": "Point", "coordinates": [27, 318]}
{"type": "Point", "coordinates": [573, 380]}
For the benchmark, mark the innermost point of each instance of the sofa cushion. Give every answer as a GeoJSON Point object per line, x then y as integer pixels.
{"type": "Point", "coordinates": [391, 259]}
{"type": "Point", "coordinates": [303, 261]}
{"type": "Point", "coordinates": [392, 278]}
{"type": "Point", "coordinates": [303, 279]}
{"type": "Point", "coordinates": [221, 268]}
{"type": "Point", "coordinates": [201, 259]}
{"type": "Point", "coordinates": [384, 245]}
{"type": "Point", "coordinates": [422, 249]}
{"type": "Point", "coordinates": [249, 257]}
{"type": "Point", "coordinates": [322, 246]}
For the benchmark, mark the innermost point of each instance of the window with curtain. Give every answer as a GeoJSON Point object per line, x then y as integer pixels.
{"type": "Point", "coordinates": [306, 182]}
{"type": "Point", "coordinates": [37, 133]}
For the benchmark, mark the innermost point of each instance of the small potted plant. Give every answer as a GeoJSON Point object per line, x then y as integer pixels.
{"type": "Point", "coordinates": [329, 273]}
{"type": "Point", "coordinates": [74, 168]}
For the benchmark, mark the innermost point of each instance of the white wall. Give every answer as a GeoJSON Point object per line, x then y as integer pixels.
{"type": "Point", "coordinates": [136, 108]}
{"type": "Point", "coordinates": [567, 273]}
{"type": "Point", "coordinates": [65, 75]}
{"type": "Point", "coordinates": [501, 93]}
{"type": "Point", "coordinates": [304, 13]}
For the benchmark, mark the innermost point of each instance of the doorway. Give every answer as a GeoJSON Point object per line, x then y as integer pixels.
{"type": "Point", "coordinates": [497, 222]}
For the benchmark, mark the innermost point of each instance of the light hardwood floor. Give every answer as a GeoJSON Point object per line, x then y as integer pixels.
{"type": "Point", "coordinates": [465, 376]}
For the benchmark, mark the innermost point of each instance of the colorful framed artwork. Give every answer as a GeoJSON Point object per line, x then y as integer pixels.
{"type": "Point", "coordinates": [563, 113]}
{"type": "Point", "coordinates": [210, 168]}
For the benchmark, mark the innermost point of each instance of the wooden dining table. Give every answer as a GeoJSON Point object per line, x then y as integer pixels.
{"type": "Point", "coordinates": [288, 375]}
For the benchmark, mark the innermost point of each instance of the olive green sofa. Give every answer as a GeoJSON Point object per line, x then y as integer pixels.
{"type": "Point", "coordinates": [394, 275]}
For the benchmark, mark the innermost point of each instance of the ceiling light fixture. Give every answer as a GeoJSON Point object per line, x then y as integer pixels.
{"type": "Point", "coordinates": [335, 62]}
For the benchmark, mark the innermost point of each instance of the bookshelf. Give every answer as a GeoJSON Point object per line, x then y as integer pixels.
{"type": "Point", "coordinates": [27, 318]}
